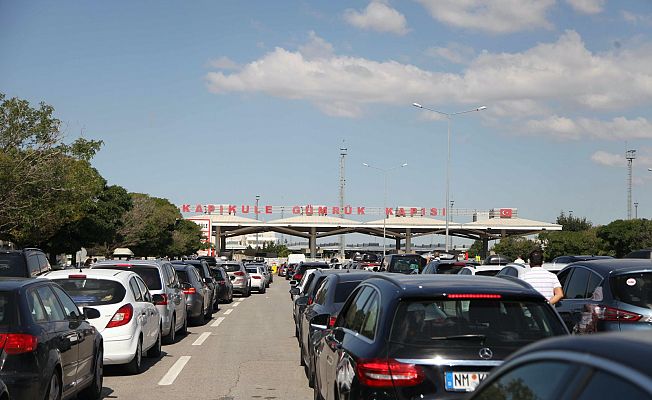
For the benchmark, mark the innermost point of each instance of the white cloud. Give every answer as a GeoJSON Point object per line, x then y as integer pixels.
{"type": "Point", "coordinates": [619, 128]}
{"type": "Point", "coordinates": [379, 17]}
{"type": "Point", "coordinates": [455, 52]}
{"type": "Point", "coordinates": [643, 19]}
{"type": "Point", "coordinates": [224, 63]}
{"type": "Point", "coordinates": [608, 159]}
{"type": "Point", "coordinates": [494, 16]}
{"type": "Point", "coordinates": [587, 6]}
{"type": "Point", "coordinates": [532, 89]}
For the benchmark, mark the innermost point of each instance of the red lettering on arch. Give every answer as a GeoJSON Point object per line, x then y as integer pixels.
{"type": "Point", "coordinates": [361, 211]}
{"type": "Point", "coordinates": [231, 209]}
{"type": "Point", "coordinates": [336, 211]}
{"type": "Point", "coordinates": [199, 208]}
{"type": "Point", "coordinates": [185, 208]}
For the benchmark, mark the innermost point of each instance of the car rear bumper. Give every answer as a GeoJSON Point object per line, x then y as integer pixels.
{"type": "Point", "coordinates": [23, 385]}
{"type": "Point", "coordinates": [194, 306]}
{"type": "Point", "coordinates": [120, 350]}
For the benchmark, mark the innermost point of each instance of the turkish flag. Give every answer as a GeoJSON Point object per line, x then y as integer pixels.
{"type": "Point", "coordinates": [505, 213]}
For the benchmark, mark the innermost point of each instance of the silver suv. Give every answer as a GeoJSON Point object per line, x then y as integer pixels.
{"type": "Point", "coordinates": [239, 277]}
{"type": "Point", "coordinates": [163, 284]}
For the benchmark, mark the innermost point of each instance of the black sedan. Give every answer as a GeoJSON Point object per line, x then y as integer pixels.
{"type": "Point", "coordinates": [420, 336]}
{"type": "Point", "coordinates": [47, 347]}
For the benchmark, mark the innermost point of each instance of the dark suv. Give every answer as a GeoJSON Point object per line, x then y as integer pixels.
{"type": "Point", "coordinates": [421, 336]}
{"type": "Point", "coordinates": [26, 263]}
{"type": "Point", "coordinates": [403, 263]}
{"type": "Point", "coordinates": [607, 295]}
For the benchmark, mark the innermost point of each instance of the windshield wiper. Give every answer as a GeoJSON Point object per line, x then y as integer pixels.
{"type": "Point", "coordinates": [479, 337]}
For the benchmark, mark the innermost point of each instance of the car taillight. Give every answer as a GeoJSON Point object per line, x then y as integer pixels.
{"type": "Point", "coordinates": [18, 343]}
{"type": "Point", "coordinates": [388, 372]}
{"type": "Point", "coordinates": [122, 316]}
{"type": "Point", "coordinates": [163, 302]}
{"type": "Point", "coordinates": [255, 276]}
{"type": "Point", "coordinates": [238, 273]}
{"type": "Point", "coordinates": [297, 277]}
{"type": "Point", "coordinates": [331, 321]}
{"type": "Point", "coordinates": [191, 290]}
{"type": "Point", "coordinates": [124, 265]}
{"type": "Point", "coordinates": [221, 282]}
{"type": "Point", "coordinates": [606, 313]}
{"type": "Point", "coordinates": [473, 296]}
{"type": "Point", "coordinates": [78, 276]}
{"type": "Point", "coordinates": [309, 300]}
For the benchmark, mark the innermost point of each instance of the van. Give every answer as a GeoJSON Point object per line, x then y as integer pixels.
{"type": "Point", "coordinates": [26, 263]}
{"type": "Point", "coordinates": [296, 258]}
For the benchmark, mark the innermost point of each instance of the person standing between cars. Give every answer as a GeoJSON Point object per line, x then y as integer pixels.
{"type": "Point", "coordinates": [545, 282]}
{"type": "Point", "coordinates": [519, 260]}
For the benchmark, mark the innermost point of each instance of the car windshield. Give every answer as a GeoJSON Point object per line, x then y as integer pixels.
{"type": "Point", "coordinates": [12, 264]}
{"type": "Point", "coordinates": [150, 275]}
{"type": "Point", "coordinates": [344, 289]}
{"type": "Point", "coordinates": [634, 289]}
{"type": "Point", "coordinates": [7, 310]}
{"type": "Point", "coordinates": [183, 275]}
{"type": "Point", "coordinates": [93, 292]}
{"type": "Point", "coordinates": [231, 267]}
{"type": "Point", "coordinates": [437, 323]}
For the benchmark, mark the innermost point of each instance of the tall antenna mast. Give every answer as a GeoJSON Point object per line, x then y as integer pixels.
{"type": "Point", "coordinates": [630, 155]}
{"type": "Point", "coordinates": [342, 185]}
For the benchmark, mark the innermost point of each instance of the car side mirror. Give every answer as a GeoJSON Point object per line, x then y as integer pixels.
{"type": "Point", "coordinates": [157, 299]}
{"type": "Point", "coordinates": [91, 313]}
{"type": "Point", "coordinates": [320, 321]}
{"type": "Point", "coordinates": [294, 291]}
{"type": "Point", "coordinates": [232, 277]}
{"type": "Point", "coordinates": [208, 280]}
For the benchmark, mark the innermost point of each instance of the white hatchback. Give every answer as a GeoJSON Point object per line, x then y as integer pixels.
{"type": "Point", "coordinates": [130, 323]}
{"type": "Point", "coordinates": [486, 270]}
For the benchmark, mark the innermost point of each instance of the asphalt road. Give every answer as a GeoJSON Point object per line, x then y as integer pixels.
{"type": "Point", "coordinates": [247, 351]}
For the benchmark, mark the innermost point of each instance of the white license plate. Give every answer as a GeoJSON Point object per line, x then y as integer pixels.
{"type": "Point", "coordinates": [463, 381]}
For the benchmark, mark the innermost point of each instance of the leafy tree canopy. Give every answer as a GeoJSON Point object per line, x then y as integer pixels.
{"type": "Point", "coordinates": [624, 236]}
{"type": "Point", "coordinates": [572, 243]}
{"type": "Point", "coordinates": [514, 246]}
{"type": "Point", "coordinates": [186, 239]}
{"type": "Point", "coordinates": [573, 224]}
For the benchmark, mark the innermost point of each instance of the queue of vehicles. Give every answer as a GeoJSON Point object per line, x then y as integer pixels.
{"type": "Point", "coordinates": [429, 330]}
{"type": "Point", "coordinates": [58, 329]}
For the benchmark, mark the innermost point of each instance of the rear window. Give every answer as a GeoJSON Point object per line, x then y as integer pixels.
{"type": "Point", "coordinates": [200, 269]}
{"type": "Point", "coordinates": [12, 264]}
{"type": "Point", "coordinates": [406, 265]}
{"type": "Point", "coordinates": [252, 270]}
{"type": "Point", "coordinates": [7, 310]}
{"type": "Point", "coordinates": [449, 269]}
{"type": "Point", "coordinates": [487, 273]}
{"type": "Point", "coordinates": [150, 275]}
{"type": "Point", "coordinates": [183, 276]}
{"type": "Point", "coordinates": [441, 323]}
{"type": "Point", "coordinates": [344, 289]}
{"type": "Point", "coordinates": [231, 267]}
{"type": "Point", "coordinates": [93, 292]}
{"type": "Point", "coordinates": [634, 289]}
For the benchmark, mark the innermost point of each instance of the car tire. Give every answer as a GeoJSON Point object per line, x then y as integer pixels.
{"type": "Point", "coordinates": [171, 337]}
{"type": "Point", "coordinates": [54, 389]}
{"type": "Point", "coordinates": [263, 290]}
{"type": "Point", "coordinates": [248, 292]}
{"type": "Point", "coordinates": [184, 327]}
{"type": "Point", "coordinates": [209, 311]}
{"type": "Point", "coordinates": [198, 320]}
{"type": "Point", "coordinates": [155, 351]}
{"type": "Point", "coordinates": [231, 297]}
{"type": "Point", "coordinates": [316, 394]}
{"type": "Point", "coordinates": [94, 390]}
{"type": "Point", "coordinates": [135, 366]}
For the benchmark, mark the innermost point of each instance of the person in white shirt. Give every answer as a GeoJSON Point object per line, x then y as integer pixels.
{"type": "Point", "coordinates": [545, 282]}
{"type": "Point", "coordinates": [519, 260]}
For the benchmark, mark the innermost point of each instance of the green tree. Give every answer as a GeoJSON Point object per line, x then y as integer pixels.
{"type": "Point", "coordinates": [186, 239]}
{"type": "Point", "coordinates": [280, 250]}
{"type": "Point", "coordinates": [149, 226]}
{"type": "Point", "coordinates": [44, 183]}
{"type": "Point", "coordinates": [573, 224]}
{"type": "Point", "coordinates": [475, 249]}
{"type": "Point", "coordinates": [623, 236]}
{"type": "Point", "coordinates": [515, 246]}
{"type": "Point", "coordinates": [561, 243]}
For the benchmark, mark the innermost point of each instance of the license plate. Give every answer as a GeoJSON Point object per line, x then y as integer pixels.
{"type": "Point", "coordinates": [463, 381]}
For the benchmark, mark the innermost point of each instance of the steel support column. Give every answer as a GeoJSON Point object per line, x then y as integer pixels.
{"type": "Point", "coordinates": [313, 243]}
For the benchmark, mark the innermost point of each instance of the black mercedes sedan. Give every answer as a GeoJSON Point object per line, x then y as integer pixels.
{"type": "Point", "coordinates": [47, 347]}
{"type": "Point", "coordinates": [427, 336]}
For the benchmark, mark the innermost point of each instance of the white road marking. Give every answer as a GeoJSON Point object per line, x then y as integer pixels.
{"type": "Point", "coordinates": [241, 299]}
{"type": "Point", "coordinates": [217, 322]}
{"type": "Point", "coordinates": [229, 311]}
{"type": "Point", "coordinates": [176, 369]}
{"type": "Point", "coordinates": [236, 304]}
{"type": "Point", "coordinates": [200, 340]}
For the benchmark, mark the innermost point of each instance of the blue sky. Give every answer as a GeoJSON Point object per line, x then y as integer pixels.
{"type": "Point", "coordinates": [217, 101]}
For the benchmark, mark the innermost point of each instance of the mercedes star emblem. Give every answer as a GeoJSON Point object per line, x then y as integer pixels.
{"type": "Point", "coordinates": [486, 353]}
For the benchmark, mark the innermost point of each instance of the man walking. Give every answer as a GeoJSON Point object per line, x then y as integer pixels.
{"type": "Point", "coordinates": [545, 282]}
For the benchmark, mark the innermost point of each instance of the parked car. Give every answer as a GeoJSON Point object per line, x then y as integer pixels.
{"type": "Point", "coordinates": [49, 349]}
{"type": "Point", "coordinates": [198, 294]}
{"type": "Point", "coordinates": [282, 270]}
{"type": "Point", "coordinates": [130, 323]}
{"type": "Point", "coordinates": [496, 259]}
{"type": "Point", "coordinates": [443, 267]}
{"type": "Point", "coordinates": [264, 270]}
{"type": "Point", "coordinates": [298, 289]}
{"type": "Point", "coordinates": [562, 261]}
{"type": "Point", "coordinates": [303, 267]}
{"type": "Point", "coordinates": [290, 271]}
{"type": "Point", "coordinates": [417, 336]}
{"type": "Point", "coordinates": [258, 280]}
{"type": "Point", "coordinates": [24, 263]}
{"type": "Point", "coordinates": [644, 254]}
{"type": "Point", "coordinates": [607, 295]}
{"type": "Point", "coordinates": [210, 260]}
{"type": "Point", "coordinates": [606, 366]}
{"type": "Point", "coordinates": [515, 270]}
{"type": "Point", "coordinates": [239, 277]}
{"type": "Point", "coordinates": [322, 312]}
{"type": "Point", "coordinates": [403, 263]}
{"type": "Point", "coordinates": [307, 295]}
{"type": "Point", "coordinates": [484, 270]}
{"type": "Point", "coordinates": [224, 285]}
{"type": "Point", "coordinates": [207, 278]}
{"type": "Point", "coordinates": [160, 278]}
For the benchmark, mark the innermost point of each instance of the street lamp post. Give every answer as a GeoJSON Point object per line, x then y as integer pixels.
{"type": "Point", "coordinates": [448, 116]}
{"type": "Point", "coordinates": [256, 212]}
{"type": "Point", "coordinates": [636, 210]}
{"type": "Point", "coordinates": [384, 171]}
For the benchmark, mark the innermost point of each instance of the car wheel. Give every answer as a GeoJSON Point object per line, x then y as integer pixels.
{"type": "Point", "coordinates": [316, 394]}
{"type": "Point", "coordinates": [209, 311]}
{"type": "Point", "coordinates": [135, 366]}
{"type": "Point", "coordinates": [184, 327]}
{"type": "Point", "coordinates": [231, 297]}
{"type": "Point", "coordinates": [155, 351]}
{"type": "Point", "coordinates": [198, 320]}
{"type": "Point", "coordinates": [94, 390]}
{"type": "Point", "coordinates": [263, 290]}
{"type": "Point", "coordinates": [54, 390]}
{"type": "Point", "coordinates": [169, 339]}
{"type": "Point", "coordinates": [248, 292]}
{"type": "Point", "coordinates": [311, 372]}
